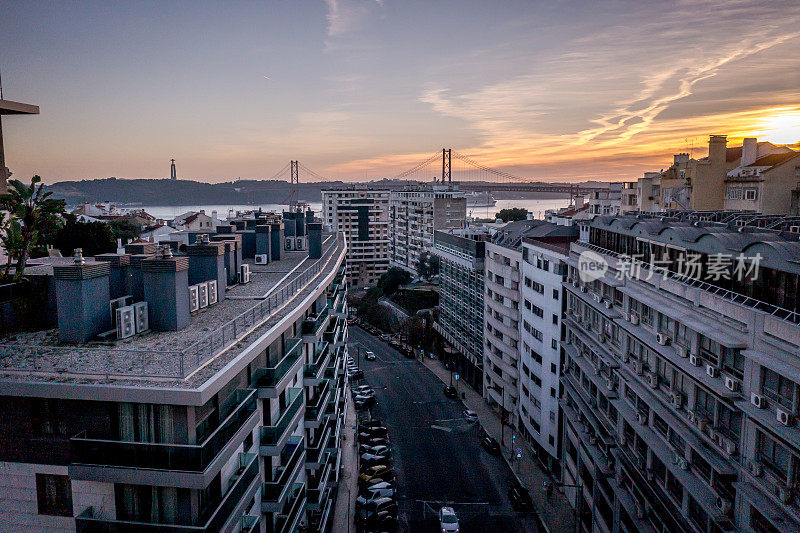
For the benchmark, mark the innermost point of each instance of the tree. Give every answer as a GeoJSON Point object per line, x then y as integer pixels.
{"type": "Point", "coordinates": [92, 237]}
{"type": "Point", "coordinates": [515, 213]}
{"type": "Point", "coordinates": [392, 279]}
{"type": "Point", "coordinates": [32, 207]}
{"type": "Point", "coordinates": [11, 238]}
{"type": "Point", "coordinates": [125, 229]}
{"type": "Point", "coordinates": [428, 265]}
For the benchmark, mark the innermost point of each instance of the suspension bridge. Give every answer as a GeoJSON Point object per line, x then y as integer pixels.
{"type": "Point", "coordinates": [446, 167]}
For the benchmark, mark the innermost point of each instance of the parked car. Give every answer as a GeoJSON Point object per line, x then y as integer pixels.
{"type": "Point", "coordinates": [380, 449]}
{"type": "Point", "coordinates": [374, 494]}
{"type": "Point", "coordinates": [520, 498]}
{"type": "Point", "coordinates": [450, 392]}
{"type": "Point", "coordinates": [382, 472]}
{"type": "Point", "coordinates": [375, 483]}
{"type": "Point", "coordinates": [407, 352]}
{"type": "Point", "coordinates": [369, 356]}
{"type": "Point", "coordinates": [491, 445]}
{"type": "Point", "coordinates": [384, 337]}
{"type": "Point", "coordinates": [373, 441]}
{"type": "Point", "coordinates": [471, 415]}
{"type": "Point", "coordinates": [358, 374]}
{"type": "Point", "coordinates": [362, 402]}
{"type": "Point", "coordinates": [370, 423]}
{"type": "Point", "coordinates": [380, 522]}
{"type": "Point", "coordinates": [372, 459]}
{"type": "Point", "coordinates": [448, 520]}
{"type": "Point", "coordinates": [381, 505]}
{"type": "Point", "coordinates": [374, 431]}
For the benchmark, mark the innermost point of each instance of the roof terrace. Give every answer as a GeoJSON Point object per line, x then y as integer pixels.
{"type": "Point", "coordinates": [187, 358]}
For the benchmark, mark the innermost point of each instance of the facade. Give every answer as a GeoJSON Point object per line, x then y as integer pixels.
{"type": "Point", "coordinates": [461, 255]}
{"type": "Point", "coordinates": [215, 410]}
{"type": "Point", "coordinates": [761, 185]}
{"type": "Point", "coordinates": [680, 396]}
{"type": "Point", "coordinates": [609, 201]}
{"type": "Point", "coordinates": [543, 270]}
{"type": "Point", "coordinates": [195, 221]}
{"type": "Point", "coordinates": [363, 216]}
{"type": "Point", "coordinates": [415, 213]}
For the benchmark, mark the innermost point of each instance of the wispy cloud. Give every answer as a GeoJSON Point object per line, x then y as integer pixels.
{"type": "Point", "coordinates": [347, 16]}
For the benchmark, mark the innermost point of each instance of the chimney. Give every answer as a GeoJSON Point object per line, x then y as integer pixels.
{"type": "Point", "coordinates": [276, 235]}
{"type": "Point", "coordinates": [148, 248]}
{"type": "Point", "coordinates": [166, 290]}
{"type": "Point", "coordinates": [240, 224]}
{"type": "Point", "coordinates": [224, 229]}
{"type": "Point", "coordinates": [136, 280]}
{"type": "Point", "coordinates": [314, 240]}
{"type": "Point", "coordinates": [289, 231]}
{"type": "Point", "coordinates": [233, 254]}
{"type": "Point", "coordinates": [82, 299]}
{"type": "Point", "coordinates": [207, 261]}
{"type": "Point", "coordinates": [248, 243]}
{"type": "Point", "coordinates": [717, 149]}
{"type": "Point", "coordinates": [118, 281]}
{"type": "Point", "coordinates": [263, 241]}
{"type": "Point", "coordinates": [749, 151]}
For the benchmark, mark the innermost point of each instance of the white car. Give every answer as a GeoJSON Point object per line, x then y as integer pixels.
{"type": "Point", "coordinates": [448, 520]}
{"type": "Point", "coordinates": [471, 415]}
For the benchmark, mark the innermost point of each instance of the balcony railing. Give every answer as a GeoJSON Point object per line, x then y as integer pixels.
{"type": "Point", "coordinates": [274, 490]}
{"type": "Point", "coordinates": [314, 410]}
{"type": "Point", "coordinates": [91, 521]}
{"type": "Point", "coordinates": [286, 522]}
{"type": "Point", "coordinates": [313, 324]}
{"type": "Point", "coordinates": [164, 456]}
{"type": "Point", "coordinates": [272, 435]}
{"type": "Point", "coordinates": [153, 362]}
{"type": "Point", "coordinates": [269, 377]}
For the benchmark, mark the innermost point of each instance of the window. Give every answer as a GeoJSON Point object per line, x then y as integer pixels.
{"type": "Point", "coordinates": [777, 388]}
{"type": "Point", "coordinates": [772, 455]}
{"type": "Point", "coordinates": [555, 294]}
{"type": "Point", "coordinates": [750, 194]}
{"type": "Point", "coordinates": [46, 418]}
{"type": "Point", "coordinates": [554, 344]}
{"type": "Point", "coordinates": [53, 495]}
{"type": "Point", "coordinates": [555, 320]}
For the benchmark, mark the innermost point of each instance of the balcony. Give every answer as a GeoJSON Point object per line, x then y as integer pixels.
{"type": "Point", "coordinates": [314, 324]}
{"type": "Point", "coordinates": [316, 407]}
{"type": "Point", "coordinates": [92, 521]}
{"type": "Point", "coordinates": [315, 455]}
{"type": "Point", "coordinates": [164, 456]}
{"type": "Point", "coordinates": [270, 381]}
{"type": "Point", "coordinates": [312, 373]}
{"type": "Point", "coordinates": [335, 332]}
{"type": "Point", "coordinates": [288, 521]}
{"type": "Point", "coordinates": [273, 438]}
{"type": "Point", "coordinates": [274, 493]}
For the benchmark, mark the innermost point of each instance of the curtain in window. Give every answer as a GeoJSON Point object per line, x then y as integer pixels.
{"type": "Point", "coordinates": [127, 430]}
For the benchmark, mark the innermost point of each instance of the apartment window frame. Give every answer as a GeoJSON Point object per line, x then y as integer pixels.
{"type": "Point", "coordinates": [53, 495]}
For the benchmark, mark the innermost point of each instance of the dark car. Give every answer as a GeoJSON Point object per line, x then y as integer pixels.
{"type": "Point", "coordinates": [407, 352]}
{"type": "Point", "coordinates": [491, 445]}
{"type": "Point", "coordinates": [451, 392]}
{"type": "Point", "coordinates": [372, 459]}
{"type": "Point", "coordinates": [520, 498]}
{"type": "Point", "coordinates": [363, 403]}
{"type": "Point", "coordinates": [383, 521]}
{"type": "Point", "coordinates": [374, 431]}
{"type": "Point", "coordinates": [358, 374]}
{"type": "Point", "coordinates": [370, 424]}
{"type": "Point", "coordinates": [373, 441]}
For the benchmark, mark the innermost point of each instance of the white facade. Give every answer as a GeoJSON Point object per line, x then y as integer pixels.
{"type": "Point", "coordinates": [363, 216]}
{"type": "Point", "coordinates": [540, 334]}
{"type": "Point", "coordinates": [415, 214]}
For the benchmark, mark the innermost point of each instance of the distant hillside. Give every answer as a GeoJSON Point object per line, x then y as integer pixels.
{"type": "Point", "coordinates": [186, 192]}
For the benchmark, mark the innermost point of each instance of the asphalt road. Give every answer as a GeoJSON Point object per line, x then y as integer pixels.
{"type": "Point", "coordinates": [436, 453]}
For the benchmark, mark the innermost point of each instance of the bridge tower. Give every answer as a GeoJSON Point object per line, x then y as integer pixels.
{"type": "Point", "coordinates": [446, 159]}
{"type": "Point", "coordinates": [294, 181]}
{"type": "Point", "coordinates": [173, 173]}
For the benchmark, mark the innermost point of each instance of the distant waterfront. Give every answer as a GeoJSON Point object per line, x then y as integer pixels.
{"type": "Point", "coordinates": [535, 206]}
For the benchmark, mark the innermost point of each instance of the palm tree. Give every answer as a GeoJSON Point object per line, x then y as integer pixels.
{"type": "Point", "coordinates": [11, 239]}
{"type": "Point", "coordinates": [31, 206]}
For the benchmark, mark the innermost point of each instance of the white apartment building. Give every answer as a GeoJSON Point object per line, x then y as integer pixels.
{"type": "Point", "coordinates": [415, 213]}
{"type": "Point", "coordinates": [543, 270]}
{"type": "Point", "coordinates": [363, 216]}
{"type": "Point", "coordinates": [613, 200]}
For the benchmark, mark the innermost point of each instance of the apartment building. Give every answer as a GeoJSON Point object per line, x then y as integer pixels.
{"type": "Point", "coordinates": [168, 399]}
{"type": "Point", "coordinates": [543, 269]}
{"type": "Point", "coordinates": [503, 354]}
{"type": "Point", "coordinates": [680, 387]}
{"type": "Point", "coordinates": [761, 184]}
{"type": "Point", "coordinates": [415, 213]}
{"type": "Point", "coordinates": [461, 255]}
{"type": "Point", "coordinates": [363, 216]}
{"type": "Point", "coordinates": [609, 201]}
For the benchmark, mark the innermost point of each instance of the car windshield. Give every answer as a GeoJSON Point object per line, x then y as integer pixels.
{"type": "Point", "coordinates": [449, 519]}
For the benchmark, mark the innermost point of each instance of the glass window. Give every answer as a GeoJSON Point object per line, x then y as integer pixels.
{"type": "Point", "coordinates": [777, 388]}
{"type": "Point", "coordinates": [53, 495]}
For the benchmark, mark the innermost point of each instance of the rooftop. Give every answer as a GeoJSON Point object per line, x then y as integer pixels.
{"type": "Point", "coordinates": [183, 359]}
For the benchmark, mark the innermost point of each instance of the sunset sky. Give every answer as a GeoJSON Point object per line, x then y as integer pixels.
{"type": "Point", "coordinates": [555, 90]}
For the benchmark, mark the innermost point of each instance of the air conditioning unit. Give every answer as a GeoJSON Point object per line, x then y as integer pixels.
{"type": "Point", "coordinates": [662, 339]}
{"type": "Point", "coordinates": [694, 360]}
{"type": "Point", "coordinates": [723, 505]}
{"type": "Point", "coordinates": [641, 418]}
{"type": "Point", "coordinates": [610, 384]}
{"type": "Point", "coordinates": [289, 243]}
{"type": "Point", "coordinates": [683, 464]}
{"type": "Point", "coordinates": [712, 371]}
{"type": "Point", "coordinates": [300, 243]}
{"type": "Point", "coordinates": [116, 303]}
{"type": "Point", "coordinates": [682, 352]}
{"type": "Point", "coordinates": [639, 367]}
{"type": "Point", "coordinates": [653, 378]}
{"type": "Point", "coordinates": [597, 371]}
{"type": "Point", "coordinates": [676, 398]}
{"type": "Point", "coordinates": [607, 303]}
{"type": "Point", "coordinates": [758, 400]}
{"type": "Point", "coordinates": [634, 320]}
{"type": "Point", "coordinates": [783, 416]}
{"type": "Point", "coordinates": [262, 259]}
{"type": "Point", "coordinates": [756, 470]}
{"type": "Point", "coordinates": [202, 294]}
{"type": "Point", "coordinates": [140, 317]}
{"type": "Point", "coordinates": [213, 295]}
{"type": "Point", "coordinates": [575, 283]}
{"type": "Point", "coordinates": [124, 319]}
{"type": "Point", "coordinates": [732, 384]}
{"type": "Point", "coordinates": [596, 298]}
{"type": "Point", "coordinates": [244, 274]}
{"type": "Point", "coordinates": [584, 289]}
{"type": "Point", "coordinates": [194, 299]}
{"type": "Point", "coordinates": [729, 446]}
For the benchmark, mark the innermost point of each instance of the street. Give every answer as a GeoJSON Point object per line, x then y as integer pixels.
{"type": "Point", "coordinates": [437, 453]}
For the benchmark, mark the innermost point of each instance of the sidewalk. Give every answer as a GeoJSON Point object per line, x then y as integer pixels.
{"type": "Point", "coordinates": [347, 492]}
{"type": "Point", "coordinates": [556, 514]}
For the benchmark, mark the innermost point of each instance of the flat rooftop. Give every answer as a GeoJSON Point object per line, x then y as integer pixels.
{"type": "Point", "coordinates": [187, 358]}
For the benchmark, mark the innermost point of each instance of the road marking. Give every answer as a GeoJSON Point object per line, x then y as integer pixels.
{"type": "Point", "coordinates": [448, 430]}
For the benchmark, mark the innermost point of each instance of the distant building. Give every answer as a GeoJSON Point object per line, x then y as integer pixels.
{"type": "Point", "coordinates": [608, 201]}
{"type": "Point", "coordinates": [461, 255]}
{"type": "Point", "coordinates": [157, 233]}
{"type": "Point", "coordinates": [195, 221]}
{"type": "Point", "coordinates": [363, 216]}
{"type": "Point", "coordinates": [415, 213]}
{"type": "Point", "coordinates": [761, 185]}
